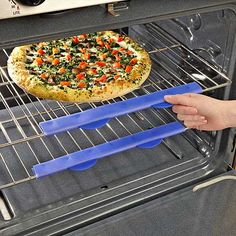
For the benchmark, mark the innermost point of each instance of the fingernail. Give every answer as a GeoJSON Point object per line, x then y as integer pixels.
{"type": "Point", "coordinates": [167, 97]}
{"type": "Point", "coordinates": [203, 118]}
{"type": "Point", "coordinates": [205, 121]}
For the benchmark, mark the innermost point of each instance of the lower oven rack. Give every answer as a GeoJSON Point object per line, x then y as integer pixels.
{"type": "Point", "coordinates": [20, 114]}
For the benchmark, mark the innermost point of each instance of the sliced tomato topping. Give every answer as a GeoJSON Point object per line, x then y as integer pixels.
{"type": "Point", "coordinates": [102, 56]}
{"type": "Point", "coordinates": [44, 76]}
{"type": "Point", "coordinates": [102, 79]}
{"type": "Point", "coordinates": [120, 39]}
{"type": "Point", "coordinates": [86, 56]}
{"type": "Point", "coordinates": [121, 49]}
{"type": "Point", "coordinates": [55, 50]}
{"type": "Point", "coordinates": [75, 39]}
{"type": "Point", "coordinates": [55, 61]}
{"type": "Point", "coordinates": [62, 70]}
{"type": "Point", "coordinates": [83, 36]}
{"type": "Point", "coordinates": [117, 65]}
{"type": "Point", "coordinates": [99, 41]}
{"type": "Point", "coordinates": [83, 50]}
{"type": "Point", "coordinates": [41, 51]}
{"type": "Point", "coordinates": [92, 71]}
{"type": "Point", "coordinates": [118, 58]}
{"type": "Point", "coordinates": [111, 40]}
{"type": "Point", "coordinates": [80, 76]}
{"type": "Point", "coordinates": [68, 57]}
{"type": "Point", "coordinates": [65, 83]}
{"type": "Point", "coordinates": [133, 62]}
{"type": "Point", "coordinates": [39, 61]}
{"type": "Point", "coordinates": [129, 52]}
{"type": "Point", "coordinates": [107, 46]}
{"type": "Point", "coordinates": [81, 84]}
{"type": "Point", "coordinates": [128, 69]}
{"type": "Point", "coordinates": [114, 52]}
{"type": "Point", "coordinates": [83, 65]}
{"type": "Point", "coordinates": [100, 63]}
{"type": "Point", "coordinates": [116, 77]}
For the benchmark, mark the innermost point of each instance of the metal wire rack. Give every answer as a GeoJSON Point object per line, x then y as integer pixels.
{"type": "Point", "coordinates": [20, 114]}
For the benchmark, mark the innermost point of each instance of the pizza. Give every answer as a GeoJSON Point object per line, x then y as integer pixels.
{"type": "Point", "coordinates": [86, 68]}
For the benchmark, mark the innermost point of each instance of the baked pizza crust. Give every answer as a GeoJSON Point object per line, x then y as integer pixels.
{"type": "Point", "coordinates": [116, 88]}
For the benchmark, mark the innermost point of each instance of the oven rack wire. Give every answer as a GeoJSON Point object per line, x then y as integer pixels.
{"type": "Point", "coordinates": [173, 65]}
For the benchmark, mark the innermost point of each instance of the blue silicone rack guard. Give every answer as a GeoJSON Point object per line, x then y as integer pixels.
{"type": "Point", "coordinates": [95, 118]}
{"type": "Point", "coordinates": [86, 158]}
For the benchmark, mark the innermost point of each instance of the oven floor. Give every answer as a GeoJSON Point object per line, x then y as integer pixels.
{"type": "Point", "coordinates": [68, 186]}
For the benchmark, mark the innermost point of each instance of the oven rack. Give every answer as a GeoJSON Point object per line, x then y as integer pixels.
{"type": "Point", "coordinates": [21, 112]}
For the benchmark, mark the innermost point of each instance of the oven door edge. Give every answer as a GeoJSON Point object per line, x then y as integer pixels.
{"type": "Point", "coordinates": [206, 209]}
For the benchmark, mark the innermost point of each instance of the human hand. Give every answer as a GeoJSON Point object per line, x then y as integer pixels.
{"type": "Point", "coordinates": [203, 112]}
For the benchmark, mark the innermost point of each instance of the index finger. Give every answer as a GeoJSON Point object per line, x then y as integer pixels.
{"type": "Point", "coordinates": [180, 99]}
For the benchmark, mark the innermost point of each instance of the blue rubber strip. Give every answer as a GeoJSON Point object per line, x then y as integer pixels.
{"type": "Point", "coordinates": [144, 139]}
{"type": "Point", "coordinates": [95, 118]}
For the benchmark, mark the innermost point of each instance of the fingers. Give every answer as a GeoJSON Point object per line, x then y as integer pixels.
{"type": "Point", "coordinates": [184, 110]}
{"type": "Point", "coordinates": [185, 106]}
{"type": "Point", "coordinates": [194, 118]}
{"type": "Point", "coordinates": [184, 99]}
{"type": "Point", "coordinates": [195, 124]}
{"type": "Point", "coordinates": [192, 121]}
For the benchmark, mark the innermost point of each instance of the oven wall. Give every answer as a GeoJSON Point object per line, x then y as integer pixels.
{"type": "Point", "coordinates": [212, 36]}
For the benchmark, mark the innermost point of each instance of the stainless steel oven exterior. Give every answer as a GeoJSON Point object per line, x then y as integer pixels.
{"type": "Point", "coordinates": [135, 180]}
{"type": "Point", "coordinates": [18, 8]}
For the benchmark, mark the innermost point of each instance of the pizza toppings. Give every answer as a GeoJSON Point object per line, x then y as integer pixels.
{"type": "Point", "coordinates": [128, 69]}
{"type": "Point", "coordinates": [116, 65]}
{"type": "Point", "coordinates": [83, 65]}
{"type": "Point", "coordinates": [65, 83]}
{"type": "Point", "coordinates": [39, 61]}
{"type": "Point", "coordinates": [102, 79]}
{"type": "Point", "coordinates": [62, 70]}
{"type": "Point", "coordinates": [80, 76]}
{"type": "Point", "coordinates": [81, 85]}
{"type": "Point", "coordinates": [44, 76]}
{"type": "Point", "coordinates": [41, 51]}
{"type": "Point", "coordinates": [83, 61]}
{"type": "Point", "coordinates": [55, 61]}
{"type": "Point", "coordinates": [133, 61]}
{"type": "Point", "coordinates": [100, 63]}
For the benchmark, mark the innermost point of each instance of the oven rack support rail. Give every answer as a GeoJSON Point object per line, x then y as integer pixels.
{"type": "Point", "coordinates": [98, 117]}
{"type": "Point", "coordinates": [87, 158]}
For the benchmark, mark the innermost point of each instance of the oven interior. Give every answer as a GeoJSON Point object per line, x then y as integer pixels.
{"type": "Point", "coordinates": [183, 50]}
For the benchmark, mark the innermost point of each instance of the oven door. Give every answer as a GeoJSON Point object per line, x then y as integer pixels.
{"type": "Point", "coordinates": [205, 209]}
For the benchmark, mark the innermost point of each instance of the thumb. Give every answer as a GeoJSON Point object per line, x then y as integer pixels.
{"type": "Point", "coordinates": [181, 99]}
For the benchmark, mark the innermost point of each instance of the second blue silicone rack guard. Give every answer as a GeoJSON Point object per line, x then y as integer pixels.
{"type": "Point", "coordinates": [97, 117]}
{"type": "Point", "coordinates": [86, 158]}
